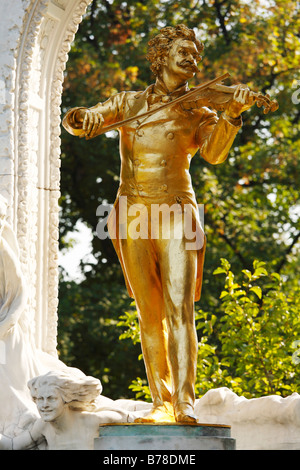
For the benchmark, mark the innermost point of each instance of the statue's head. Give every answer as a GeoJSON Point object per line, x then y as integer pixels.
{"type": "Point", "coordinates": [175, 41]}
{"type": "Point", "coordinates": [53, 391]}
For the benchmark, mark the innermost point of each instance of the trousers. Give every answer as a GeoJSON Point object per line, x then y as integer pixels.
{"type": "Point", "coordinates": [162, 275]}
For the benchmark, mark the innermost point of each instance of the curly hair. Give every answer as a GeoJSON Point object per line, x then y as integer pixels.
{"type": "Point", "coordinates": [159, 46]}
{"type": "Point", "coordinates": [80, 392]}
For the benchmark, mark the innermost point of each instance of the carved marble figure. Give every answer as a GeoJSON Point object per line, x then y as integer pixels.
{"type": "Point", "coordinates": [21, 360]}
{"type": "Point", "coordinates": [69, 413]}
{"type": "Point", "coordinates": [161, 129]}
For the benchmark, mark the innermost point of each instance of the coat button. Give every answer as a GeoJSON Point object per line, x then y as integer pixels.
{"type": "Point", "coordinates": [163, 163]}
{"type": "Point", "coordinates": [165, 99]}
{"type": "Point", "coordinates": [140, 132]}
{"type": "Point", "coordinates": [136, 162]}
{"type": "Point", "coordinates": [140, 187]}
{"type": "Point", "coordinates": [164, 187]}
{"type": "Point", "coordinates": [170, 135]}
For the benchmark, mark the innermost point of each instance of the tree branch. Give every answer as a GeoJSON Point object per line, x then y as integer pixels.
{"type": "Point", "coordinates": [287, 252]}
{"type": "Point", "coordinates": [221, 19]}
{"type": "Point", "coordinates": [235, 250]}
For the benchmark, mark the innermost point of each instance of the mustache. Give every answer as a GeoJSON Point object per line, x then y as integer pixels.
{"type": "Point", "coordinates": [187, 63]}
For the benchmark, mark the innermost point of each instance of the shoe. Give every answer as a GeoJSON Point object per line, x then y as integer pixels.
{"type": "Point", "coordinates": [158, 414]}
{"type": "Point", "coordinates": [184, 413]}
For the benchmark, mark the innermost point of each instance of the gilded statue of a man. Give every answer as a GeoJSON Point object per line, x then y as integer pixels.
{"type": "Point", "coordinates": [162, 275]}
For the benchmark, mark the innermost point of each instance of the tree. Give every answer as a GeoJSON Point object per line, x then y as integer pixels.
{"type": "Point", "coordinates": [251, 201]}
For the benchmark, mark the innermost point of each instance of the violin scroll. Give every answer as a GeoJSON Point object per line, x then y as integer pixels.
{"type": "Point", "coordinates": [265, 101]}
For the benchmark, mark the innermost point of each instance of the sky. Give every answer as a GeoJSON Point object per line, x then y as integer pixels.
{"type": "Point", "coordinates": [70, 259]}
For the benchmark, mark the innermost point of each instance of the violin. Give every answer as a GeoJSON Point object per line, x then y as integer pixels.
{"type": "Point", "coordinates": [212, 94]}
{"type": "Point", "coordinates": [217, 96]}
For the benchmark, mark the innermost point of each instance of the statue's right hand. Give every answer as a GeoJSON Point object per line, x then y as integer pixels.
{"type": "Point", "coordinates": [92, 123]}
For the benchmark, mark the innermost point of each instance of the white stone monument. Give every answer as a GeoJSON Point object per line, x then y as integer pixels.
{"type": "Point", "coordinates": [35, 38]}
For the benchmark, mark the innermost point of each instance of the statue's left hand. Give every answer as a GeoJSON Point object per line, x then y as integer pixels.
{"type": "Point", "coordinates": [242, 100]}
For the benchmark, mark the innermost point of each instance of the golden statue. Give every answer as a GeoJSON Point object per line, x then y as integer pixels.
{"type": "Point", "coordinates": [161, 129]}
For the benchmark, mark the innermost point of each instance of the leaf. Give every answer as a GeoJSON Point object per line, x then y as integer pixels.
{"type": "Point", "coordinates": [258, 264]}
{"type": "Point", "coordinates": [226, 265]}
{"type": "Point", "coordinates": [276, 276]}
{"type": "Point", "coordinates": [219, 271]}
{"type": "Point", "coordinates": [259, 272]}
{"type": "Point", "coordinates": [240, 292]}
{"type": "Point", "coordinates": [257, 290]}
{"type": "Point", "coordinates": [248, 273]}
{"type": "Point", "coordinates": [224, 293]}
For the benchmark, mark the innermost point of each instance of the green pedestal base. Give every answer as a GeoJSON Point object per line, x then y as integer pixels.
{"type": "Point", "coordinates": [164, 436]}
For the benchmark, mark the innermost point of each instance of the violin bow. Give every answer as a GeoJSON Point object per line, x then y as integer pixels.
{"type": "Point", "coordinates": [190, 94]}
{"type": "Point", "coordinates": [214, 84]}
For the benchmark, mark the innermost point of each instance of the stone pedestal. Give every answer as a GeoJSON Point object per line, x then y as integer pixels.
{"type": "Point", "coordinates": [164, 436]}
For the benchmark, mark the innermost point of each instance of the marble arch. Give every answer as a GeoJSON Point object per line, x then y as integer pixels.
{"type": "Point", "coordinates": [35, 39]}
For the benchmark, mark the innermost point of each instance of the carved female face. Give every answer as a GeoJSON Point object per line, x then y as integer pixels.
{"type": "Point", "coordinates": [49, 403]}
{"type": "Point", "coordinates": [182, 59]}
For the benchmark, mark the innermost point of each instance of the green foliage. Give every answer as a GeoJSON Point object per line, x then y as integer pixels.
{"type": "Point", "coordinates": [251, 201]}
{"type": "Point", "coordinates": [250, 348]}
{"type": "Point", "coordinates": [141, 389]}
{"type": "Point", "coordinates": [89, 334]}
{"type": "Point", "coordinates": [130, 321]}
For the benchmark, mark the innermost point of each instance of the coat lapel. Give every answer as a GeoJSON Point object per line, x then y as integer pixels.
{"type": "Point", "coordinates": [137, 105]}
